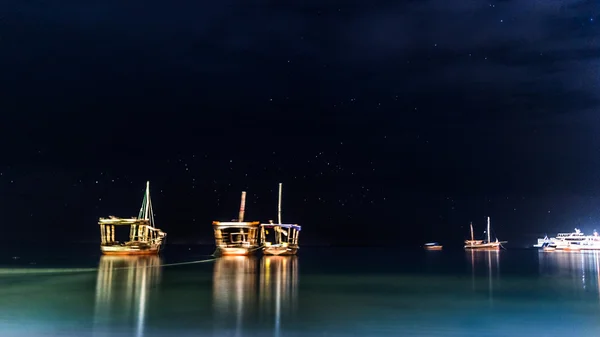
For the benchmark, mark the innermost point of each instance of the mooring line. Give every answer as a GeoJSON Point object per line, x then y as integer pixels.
{"type": "Point", "coordinates": [14, 271]}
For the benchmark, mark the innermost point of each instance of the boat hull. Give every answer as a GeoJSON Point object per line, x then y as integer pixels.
{"type": "Point", "coordinates": [576, 248]}
{"type": "Point", "coordinates": [484, 246]}
{"type": "Point", "coordinates": [235, 251]}
{"type": "Point", "coordinates": [280, 251]}
{"type": "Point", "coordinates": [433, 247]}
{"type": "Point", "coordinates": [129, 251]}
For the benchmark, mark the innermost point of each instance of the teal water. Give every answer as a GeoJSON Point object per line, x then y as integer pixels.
{"type": "Point", "coordinates": [321, 292]}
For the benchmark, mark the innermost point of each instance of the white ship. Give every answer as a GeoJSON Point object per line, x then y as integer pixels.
{"type": "Point", "coordinates": [570, 241]}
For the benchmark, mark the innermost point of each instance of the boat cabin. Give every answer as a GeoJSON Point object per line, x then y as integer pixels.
{"type": "Point", "coordinates": [143, 238]}
{"type": "Point", "coordinates": [279, 234]}
{"type": "Point", "coordinates": [236, 234]}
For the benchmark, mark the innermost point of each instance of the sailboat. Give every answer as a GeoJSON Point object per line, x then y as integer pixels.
{"type": "Point", "coordinates": [236, 237]}
{"type": "Point", "coordinates": [144, 237]}
{"type": "Point", "coordinates": [483, 244]}
{"type": "Point", "coordinates": [286, 235]}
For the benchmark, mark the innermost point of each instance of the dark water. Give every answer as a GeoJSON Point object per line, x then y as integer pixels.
{"type": "Point", "coordinates": [321, 292]}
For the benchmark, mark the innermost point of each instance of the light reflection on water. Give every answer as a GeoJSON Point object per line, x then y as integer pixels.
{"type": "Point", "coordinates": [581, 268]}
{"type": "Point", "coordinates": [478, 293]}
{"type": "Point", "coordinates": [487, 261]}
{"type": "Point", "coordinates": [278, 288]}
{"type": "Point", "coordinates": [123, 288]}
{"type": "Point", "coordinates": [248, 291]}
{"type": "Point", "coordinates": [234, 291]}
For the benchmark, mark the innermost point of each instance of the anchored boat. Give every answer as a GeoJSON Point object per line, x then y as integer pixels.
{"type": "Point", "coordinates": [543, 243]}
{"type": "Point", "coordinates": [144, 237]}
{"type": "Point", "coordinates": [285, 236]}
{"type": "Point", "coordinates": [432, 246]}
{"type": "Point", "coordinates": [483, 244]}
{"type": "Point", "coordinates": [574, 241]}
{"type": "Point", "coordinates": [236, 237]}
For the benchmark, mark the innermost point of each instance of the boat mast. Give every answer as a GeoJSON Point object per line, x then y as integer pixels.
{"type": "Point", "coordinates": [146, 212]}
{"type": "Point", "coordinates": [147, 197]}
{"type": "Point", "coordinates": [279, 205]}
{"type": "Point", "coordinates": [488, 230]}
{"type": "Point", "coordinates": [472, 238]}
{"type": "Point", "coordinates": [242, 207]}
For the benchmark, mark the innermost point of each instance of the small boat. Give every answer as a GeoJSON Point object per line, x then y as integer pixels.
{"type": "Point", "coordinates": [285, 241]}
{"type": "Point", "coordinates": [236, 237]}
{"type": "Point", "coordinates": [542, 243]}
{"type": "Point", "coordinates": [144, 237]}
{"type": "Point", "coordinates": [432, 246]}
{"type": "Point", "coordinates": [483, 244]}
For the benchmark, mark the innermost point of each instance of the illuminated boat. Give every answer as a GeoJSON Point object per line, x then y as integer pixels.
{"type": "Point", "coordinates": [483, 244]}
{"type": "Point", "coordinates": [432, 246]}
{"type": "Point", "coordinates": [285, 236]}
{"type": "Point", "coordinates": [575, 241]}
{"type": "Point", "coordinates": [144, 237]}
{"type": "Point", "coordinates": [236, 237]}
{"type": "Point", "coordinates": [545, 242]}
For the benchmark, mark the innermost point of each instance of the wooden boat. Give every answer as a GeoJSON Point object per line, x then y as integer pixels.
{"type": "Point", "coordinates": [483, 244]}
{"type": "Point", "coordinates": [144, 237]}
{"type": "Point", "coordinates": [236, 237]}
{"type": "Point", "coordinates": [285, 241]}
{"type": "Point", "coordinates": [432, 246]}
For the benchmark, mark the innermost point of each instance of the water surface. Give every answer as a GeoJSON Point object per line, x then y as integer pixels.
{"type": "Point", "coordinates": [321, 292]}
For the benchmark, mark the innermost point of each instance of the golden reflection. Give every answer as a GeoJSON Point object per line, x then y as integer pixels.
{"type": "Point", "coordinates": [234, 291]}
{"type": "Point", "coordinates": [122, 290]}
{"type": "Point", "coordinates": [278, 288]}
{"type": "Point", "coordinates": [581, 267]}
{"type": "Point", "coordinates": [486, 262]}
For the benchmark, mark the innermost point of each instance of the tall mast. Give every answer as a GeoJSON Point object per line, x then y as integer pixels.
{"type": "Point", "coordinates": [147, 197]}
{"type": "Point", "coordinates": [279, 204]}
{"type": "Point", "coordinates": [472, 238]}
{"type": "Point", "coordinates": [488, 230]}
{"type": "Point", "coordinates": [242, 207]}
{"type": "Point", "coordinates": [146, 212]}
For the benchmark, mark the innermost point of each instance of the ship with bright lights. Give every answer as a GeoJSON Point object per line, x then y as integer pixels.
{"type": "Point", "coordinates": [574, 241]}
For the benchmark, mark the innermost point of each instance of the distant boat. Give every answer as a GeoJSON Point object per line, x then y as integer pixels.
{"type": "Point", "coordinates": [542, 243]}
{"type": "Point", "coordinates": [483, 244]}
{"type": "Point", "coordinates": [144, 237]}
{"type": "Point", "coordinates": [432, 246]}
{"type": "Point", "coordinates": [236, 237]}
{"type": "Point", "coordinates": [285, 235]}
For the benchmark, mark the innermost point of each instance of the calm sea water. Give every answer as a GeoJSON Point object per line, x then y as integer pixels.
{"type": "Point", "coordinates": [321, 292]}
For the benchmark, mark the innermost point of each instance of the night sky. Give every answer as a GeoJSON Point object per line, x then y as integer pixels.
{"type": "Point", "coordinates": [394, 121]}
